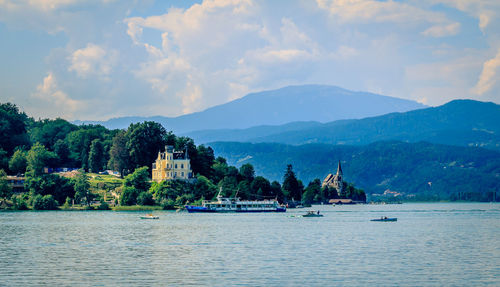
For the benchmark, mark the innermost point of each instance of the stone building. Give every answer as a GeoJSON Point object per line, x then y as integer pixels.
{"type": "Point", "coordinates": [335, 181]}
{"type": "Point", "coordinates": [172, 164]}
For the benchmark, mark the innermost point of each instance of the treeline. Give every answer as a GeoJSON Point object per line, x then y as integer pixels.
{"type": "Point", "coordinates": [27, 146]}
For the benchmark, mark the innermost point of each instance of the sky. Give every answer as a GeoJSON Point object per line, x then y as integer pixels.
{"type": "Point", "coordinates": [99, 59]}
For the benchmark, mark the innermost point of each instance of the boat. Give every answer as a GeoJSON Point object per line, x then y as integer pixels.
{"type": "Point", "coordinates": [385, 218]}
{"type": "Point", "coordinates": [234, 204]}
{"type": "Point", "coordinates": [312, 213]}
{"type": "Point", "coordinates": [150, 216]}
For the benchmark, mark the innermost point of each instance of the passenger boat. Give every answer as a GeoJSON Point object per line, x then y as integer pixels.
{"type": "Point", "coordinates": [385, 218]}
{"type": "Point", "coordinates": [149, 216]}
{"type": "Point", "coordinates": [234, 204]}
{"type": "Point", "coordinates": [312, 213]}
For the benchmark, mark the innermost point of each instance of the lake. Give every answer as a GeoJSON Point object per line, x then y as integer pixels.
{"type": "Point", "coordinates": [431, 244]}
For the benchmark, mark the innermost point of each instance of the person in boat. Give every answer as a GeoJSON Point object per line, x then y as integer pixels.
{"type": "Point", "coordinates": [318, 212]}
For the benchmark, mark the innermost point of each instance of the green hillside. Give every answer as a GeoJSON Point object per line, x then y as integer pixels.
{"type": "Point", "coordinates": [460, 123]}
{"type": "Point", "coordinates": [411, 168]}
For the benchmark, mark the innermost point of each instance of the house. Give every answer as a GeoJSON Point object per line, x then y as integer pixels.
{"type": "Point", "coordinates": [172, 164]}
{"type": "Point", "coordinates": [16, 183]}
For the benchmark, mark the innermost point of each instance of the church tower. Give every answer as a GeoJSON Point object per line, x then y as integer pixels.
{"type": "Point", "coordinates": [338, 180]}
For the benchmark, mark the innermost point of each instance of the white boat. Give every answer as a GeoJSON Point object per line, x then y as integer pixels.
{"type": "Point", "coordinates": [150, 216]}
{"type": "Point", "coordinates": [234, 204]}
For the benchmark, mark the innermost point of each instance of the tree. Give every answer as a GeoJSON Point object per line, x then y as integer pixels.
{"type": "Point", "coordinates": [45, 202]}
{"type": "Point", "coordinates": [61, 149]}
{"type": "Point", "coordinates": [5, 189]}
{"type": "Point", "coordinates": [119, 158]}
{"type": "Point", "coordinates": [96, 156]}
{"type": "Point", "coordinates": [4, 159]}
{"type": "Point", "coordinates": [82, 188]}
{"type": "Point", "coordinates": [261, 187]}
{"type": "Point", "coordinates": [144, 141]}
{"type": "Point", "coordinates": [12, 128]}
{"type": "Point", "coordinates": [129, 196]}
{"type": "Point", "coordinates": [291, 187]}
{"type": "Point", "coordinates": [312, 193]}
{"type": "Point", "coordinates": [139, 179]}
{"type": "Point", "coordinates": [202, 161]}
{"type": "Point", "coordinates": [49, 132]}
{"type": "Point", "coordinates": [276, 191]}
{"type": "Point", "coordinates": [17, 163]}
{"type": "Point", "coordinates": [37, 158]}
{"type": "Point", "coordinates": [145, 198]}
{"type": "Point", "coordinates": [247, 172]}
{"type": "Point", "coordinates": [204, 188]}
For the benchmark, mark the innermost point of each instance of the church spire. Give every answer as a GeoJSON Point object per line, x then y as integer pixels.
{"type": "Point", "coordinates": [339, 169]}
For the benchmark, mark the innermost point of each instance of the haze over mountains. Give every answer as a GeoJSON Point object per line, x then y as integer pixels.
{"type": "Point", "coordinates": [276, 107]}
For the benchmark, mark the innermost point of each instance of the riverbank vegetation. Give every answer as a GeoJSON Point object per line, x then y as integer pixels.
{"type": "Point", "coordinates": [65, 166]}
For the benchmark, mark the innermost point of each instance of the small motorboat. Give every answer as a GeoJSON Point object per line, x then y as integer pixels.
{"type": "Point", "coordinates": [149, 216]}
{"type": "Point", "coordinates": [385, 218]}
{"type": "Point", "coordinates": [312, 213]}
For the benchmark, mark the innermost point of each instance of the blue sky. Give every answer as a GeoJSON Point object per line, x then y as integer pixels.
{"type": "Point", "coordinates": [94, 60]}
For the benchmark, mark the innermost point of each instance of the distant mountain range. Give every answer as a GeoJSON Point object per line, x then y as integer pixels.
{"type": "Point", "coordinates": [420, 168]}
{"type": "Point", "coordinates": [317, 103]}
{"type": "Point", "coordinates": [459, 122]}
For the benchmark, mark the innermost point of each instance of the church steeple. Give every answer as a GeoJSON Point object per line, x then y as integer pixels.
{"type": "Point", "coordinates": [339, 170]}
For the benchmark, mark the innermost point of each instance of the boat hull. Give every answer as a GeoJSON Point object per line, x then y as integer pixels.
{"type": "Point", "coordinates": [203, 209]}
{"type": "Point", "coordinates": [385, 219]}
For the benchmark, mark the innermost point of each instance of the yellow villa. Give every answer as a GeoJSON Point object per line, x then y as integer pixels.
{"type": "Point", "coordinates": [172, 164]}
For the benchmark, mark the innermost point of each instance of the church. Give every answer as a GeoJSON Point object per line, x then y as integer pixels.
{"type": "Point", "coordinates": [172, 164]}
{"type": "Point", "coordinates": [335, 181]}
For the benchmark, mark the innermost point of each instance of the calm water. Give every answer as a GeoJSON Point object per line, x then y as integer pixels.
{"type": "Point", "coordinates": [430, 245]}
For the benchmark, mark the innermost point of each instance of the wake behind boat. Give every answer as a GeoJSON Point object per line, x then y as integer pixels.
{"type": "Point", "coordinates": [234, 204]}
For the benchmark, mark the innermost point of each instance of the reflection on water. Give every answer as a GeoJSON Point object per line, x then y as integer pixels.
{"type": "Point", "coordinates": [430, 245]}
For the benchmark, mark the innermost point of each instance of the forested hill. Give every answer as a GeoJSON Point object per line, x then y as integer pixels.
{"type": "Point", "coordinates": [402, 167]}
{"type": "Point", "coordinates": [460, 122]}
{"type": "Point", "coordinates": [290, 104]}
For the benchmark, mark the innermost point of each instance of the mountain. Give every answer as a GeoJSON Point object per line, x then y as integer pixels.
{"type": "Point", "coordinates": [459, 122]}
{"type": "Point", "coordinates": [290, 104]}
{"type": "Point", "coordinates": [410, 168]}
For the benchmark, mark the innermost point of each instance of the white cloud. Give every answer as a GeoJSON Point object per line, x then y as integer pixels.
{"type": "Point", "coordinates": [489, 76]}
{"type": "Point", "coordinates": [439, 31]}
{"type": "Point", "coordinates": [92, 60]}
{"type": "Point", "coordinates": [377, 11]}
{"type": "Point", "coordinates": [49, 93]}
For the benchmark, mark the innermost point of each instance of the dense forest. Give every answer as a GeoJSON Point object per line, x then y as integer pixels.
{"type": "Point", "coordinates": [419, 171]}
{"type": "Point", "coordinates": [28, 147]}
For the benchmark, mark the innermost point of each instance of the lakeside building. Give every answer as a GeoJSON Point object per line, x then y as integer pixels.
{"type": "Point", "coordinates": [172, 164]}
{"type": "Point", "coordinates": [16, 183]}
{"type": "Point", "coordinates": [335, 181]}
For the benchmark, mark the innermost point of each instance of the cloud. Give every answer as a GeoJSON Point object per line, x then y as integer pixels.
{"type": "Point", "coordinates": [347, 11]}
{"type": "Point", "coordinates": [92, 60]}
{"type": "Point", "coordinates": [489, 75]}
{"type": "Point", "coordinates": [49, 93]}
{"type": "Point", "coordinates": [439, 31]}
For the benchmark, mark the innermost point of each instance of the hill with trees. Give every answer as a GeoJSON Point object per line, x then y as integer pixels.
{"type": "Point", "coordinates": [418, 170]}
{"type": "Point", "coordinates": [459, 122]}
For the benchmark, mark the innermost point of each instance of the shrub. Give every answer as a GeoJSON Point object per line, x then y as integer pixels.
{"type": "Point", "coordinates": [46, 202]}
{"type": "Point", "coordinates": [145, 198]}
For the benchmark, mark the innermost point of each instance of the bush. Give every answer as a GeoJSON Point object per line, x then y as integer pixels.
{"type": "Point", "coordinates": [129, 196]}
{"type": "Point", "coordinates": [46, 202]}
{"type": "Point", "coordinates": [19, 203]}
{"type": "Point", "coordinates": [168, 204]}
{"type": "Point", "coordinates": [103, 206]}
{"type": "Point", "coordinates": [145, 198]}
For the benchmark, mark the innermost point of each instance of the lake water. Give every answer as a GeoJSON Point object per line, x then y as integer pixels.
{"type": "Point", "coordinates": [435, 244]}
